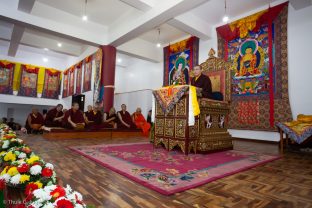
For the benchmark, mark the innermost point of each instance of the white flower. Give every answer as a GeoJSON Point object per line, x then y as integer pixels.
{"type": "Point", "coordinates": [5, 144]}
{"type": "Point", "coordinates": [48, 205]}
{"type": "Point", "coordinates": [49, 188]}
{"type": "Point", "coordinates": [36, 204]}
{"type": "Point", "coordinates": [42, 195]}
{"type": "Point", "coordinates": [78, 206]}
{"type": "Point", "coordinates": [22, 155]}
{"type": "Point", "coordinates": [68, 189]}
{"type": "Point", "coordinates": [19, 140]}
{"type": "Point", "coordinates": [35, 170]}
{"type": "Point", "coordinates": [6, 177]}
{"type": "Point", "coordinates": [15, 179]}
{"type": "Point", "coordinates": [50, 166]}
{"type": "Point", "coordinates": [79, 196]}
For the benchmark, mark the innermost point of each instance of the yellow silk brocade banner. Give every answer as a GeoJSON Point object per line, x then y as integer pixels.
{"type": "Point", "coordinates": [17, 75]}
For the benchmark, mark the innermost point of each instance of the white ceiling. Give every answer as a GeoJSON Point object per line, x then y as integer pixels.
{"type": "Point", "coordinates": [213, 11]}
{"type": "Point", "coordinates": [103, 12]}
{"type": "Point", "coordinates": [168, 34]}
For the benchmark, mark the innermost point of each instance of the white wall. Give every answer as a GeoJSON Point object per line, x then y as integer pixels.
{"type": "Point", "coordinates": [300, 73]}
{"type": "Point", "coordinates": [134, 84]}
{"type": "Point", "coordinates": [20, 111]}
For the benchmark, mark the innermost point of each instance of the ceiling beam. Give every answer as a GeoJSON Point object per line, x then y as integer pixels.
{"type": "Point", "coordinates": [191, 24]}
{"type": "Point", "coordinates": [129, 28]}
{"type": "Point", "coordinates": [142, 5]}
{"type": "Point", "coordinates": [17, 34]}
{"type": "Point", "coordinates": [300, 4]}
{"type": "Point", "coordinates": [147, 50]}
{"type": "Point", "coordinates": [18, 30]}
{"type": "Point", "coordinates": [26, 5]}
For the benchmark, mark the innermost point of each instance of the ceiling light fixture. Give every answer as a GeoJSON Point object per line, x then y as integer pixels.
{"type": "Point", "coordinates": [84, 16]}
{"type": "Point", "coordinates": [59, 44]}
{"type": "Point", "coordinates": [119, 60]}
{"type": "Point", "coordinates": [225, 17]}
{"type": "Point", "coordinates": [46, 49]}
{"type": "Point", "coordinates": [45, 60]}
{"type": "Point", "coordinates": [158, 41]}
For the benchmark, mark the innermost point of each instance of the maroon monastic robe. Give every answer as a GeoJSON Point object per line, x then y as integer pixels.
{"type": "Point", "coordinates": [203, 82]}
{"type": "Point", "coordinates": [51, 115]}
{"type": "Point", "coordinates": [35, 119]}
{"type": "Point", "coordinates": [97, 119]}
{"type": "Point", "coordinates": [89, 115]}
{"type": "Point", "coordinates": [76, 117]}
{"type": "Point", "coordinates": [126, 117]}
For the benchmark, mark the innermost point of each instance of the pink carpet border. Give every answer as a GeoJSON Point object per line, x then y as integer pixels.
{"type": "Point", "coordinates": [194, 185]}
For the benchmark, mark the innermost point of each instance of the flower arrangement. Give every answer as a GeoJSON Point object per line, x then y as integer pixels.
{"type": "Point", "coordinates": [24, 169]}
{"type": "Point", "coordinates": [55, 196]}
{"type": "Point", "coordinates": [28, 170]}
{"type": "Point", "coordinates": [9, 139]}
{"type": "Point", "coordinates": [15, 153]}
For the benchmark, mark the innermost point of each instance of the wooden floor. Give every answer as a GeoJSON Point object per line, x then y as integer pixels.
{"type": "Point", "coordinates": [282, 183]}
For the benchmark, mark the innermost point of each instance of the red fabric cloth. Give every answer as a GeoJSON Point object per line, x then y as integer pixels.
{"type": "Point", "coordinates": [51, 115]}
{"type": "Point", "coordinates": [141, 123]}
{"type": "Point", "coordinates": [227, 34]}
{"type": "Point", "coordinates": [126, 117]}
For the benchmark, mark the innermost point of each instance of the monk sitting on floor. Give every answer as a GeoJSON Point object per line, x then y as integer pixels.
{"type": "Point", "coordinates": [110, 118]}
{"type": "Point", "coordinates": [73, 118]}
{"type": "Point", "coordinates": [94, 118]}
{"type": "Point", "coordinates": [124, 119]}
{"type": "Point", "coordinates": [140, 121]}
{"type": "Point", "coordinates": [88, 114]}
{"type": "Point", "coordinates": [34, 122]}
{"type": "Point", "coordinates": [54, 117]}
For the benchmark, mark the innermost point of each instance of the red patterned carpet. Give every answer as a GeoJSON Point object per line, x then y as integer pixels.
{"type": "Point", "coordinates": [170, 172]}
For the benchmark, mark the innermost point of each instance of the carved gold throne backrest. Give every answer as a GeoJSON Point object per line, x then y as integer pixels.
{"type": "Point", "coordinates": [218, 71]}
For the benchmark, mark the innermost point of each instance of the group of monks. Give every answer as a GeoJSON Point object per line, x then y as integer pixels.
{"type": "Point", "coordinates": [91, 119]}
{"type": "Point", "coordinates": [94, 119]}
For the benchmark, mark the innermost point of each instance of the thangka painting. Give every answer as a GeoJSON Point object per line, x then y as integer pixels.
{"type": "Point", "coordinates": [6, 77]}
{"type": "Point", "coordinates": [179, 59]}
{"type": "Point", "coordinates": [87, 74]}
{"type": "Point", "coordinates": [79, 77]}
{"type": "Point", "coordinates": [256, 46]}
{"type": "Point", "coordinates": [71, 81]}
{"type": "Point", "coordinates": [51, 87]}
{"type": "Point", "coordinates": [97, 93]}
{"type": "Point", "coordinates": [65, 83]}
{"type": "Point", "coordinates": [29, 81]}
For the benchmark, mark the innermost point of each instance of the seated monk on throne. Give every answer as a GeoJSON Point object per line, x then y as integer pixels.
{"type": "Point", "coordinates": [54, 116]}
{"type": "Point", "coordinates": [73, 118]}
{"type": "Point", "coordinates": [202, 81]}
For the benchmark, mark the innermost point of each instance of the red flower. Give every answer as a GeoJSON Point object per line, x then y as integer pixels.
{"type": "Point", "coordinates": [27, 150]}
{"type": "Point", "coordinates": [23, 168]}
{"type": "Point", "coordinates": [58, 192]}
{"type": "Point", "coordinates": [63, 203]}
{"type": "Point", "coordinates": [47, 172]}
{"type": "Point", "coordinates": [2, 184]}
{"type": "Point", "coordinates": [30, 188]}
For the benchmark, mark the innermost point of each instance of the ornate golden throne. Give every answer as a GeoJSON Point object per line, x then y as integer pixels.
{"type": "Point", "coordinates": [213, 119]}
